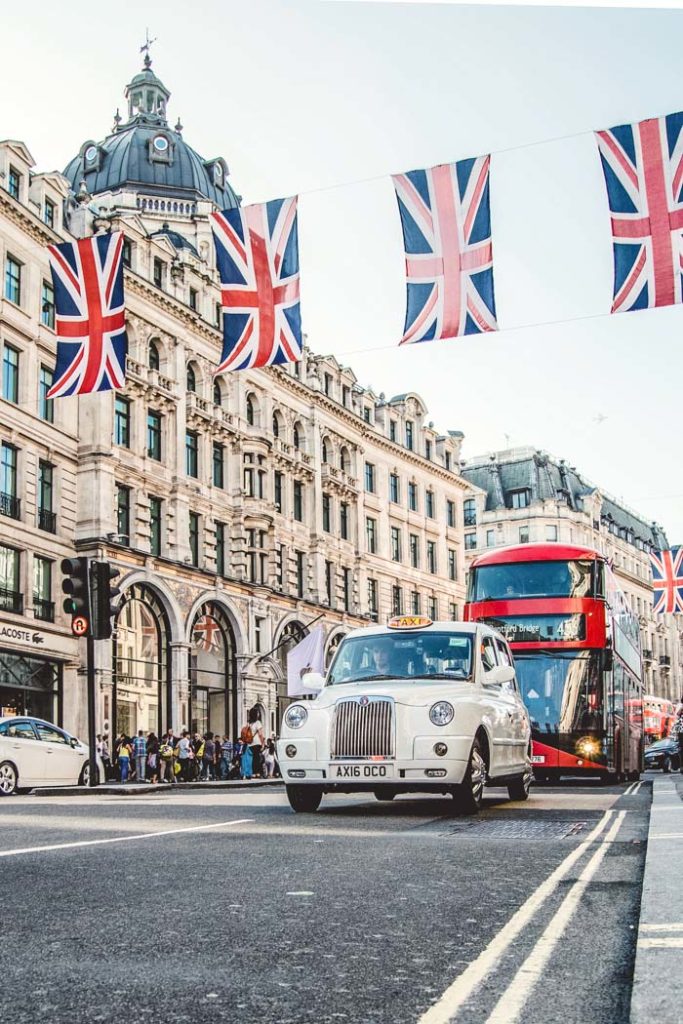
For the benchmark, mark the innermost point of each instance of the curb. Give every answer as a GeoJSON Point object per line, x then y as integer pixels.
{"type": "Point", "coordinates": [146, 789]}
{"type": "Point", "coordinates": [655, 994]}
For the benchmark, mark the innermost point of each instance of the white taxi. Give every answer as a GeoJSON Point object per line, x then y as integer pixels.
{"type": "Point", "coordinates": [414, 706]}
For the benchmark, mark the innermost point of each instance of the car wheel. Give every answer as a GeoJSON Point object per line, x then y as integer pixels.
{"type": "Point", "coordinates": [84, 779]}
{"type": "Point", "coordinates": [468, 796]}
{"type": "Point", "coordinates": [519, 789]}
{"type": "Point", "coordinates": [304, 799]}
{"type": "Point", "coordinates": [8, 779]}
{"type": "Point", "coordinates": [384, 794]}
{"type": "Point", "coordinates": [666, 765]}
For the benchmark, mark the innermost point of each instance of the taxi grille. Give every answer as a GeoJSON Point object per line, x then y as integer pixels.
{"type": "Point", "coordinates": [363, 730]}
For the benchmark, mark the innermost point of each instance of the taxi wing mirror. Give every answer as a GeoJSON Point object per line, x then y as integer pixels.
{"type": "Point", "coordinates": [313, 682]}
{"type": "Point", "coordinates": [501, 674]}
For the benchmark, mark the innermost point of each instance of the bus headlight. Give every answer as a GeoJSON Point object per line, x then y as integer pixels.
{"type": "Point", "coordinates": [295, 716]}
{"type": "Point", "coordinates": [588, 747]}
{"type": "Point", "coordinates": [441, 713]}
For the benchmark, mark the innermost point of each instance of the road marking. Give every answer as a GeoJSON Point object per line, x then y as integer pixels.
{"type": "Point", "coordinates": [475, 973]}
{"type": "Point", "coordinates": [303, 892]}
{"type": "Point", "coordinates": [661, 943]}
{"type": "Point", "coordinates": [629, 789]}
{"type": "Point", "coordinates": [510, 1005]}
{"type": "Point", "coordinates": [666, 835]}
{"type": "Point", "coordinates": [638, 785]}
{"type": "Point", "coordinates": [675, 927]}
{"type": "Point", "coordinates": [123, 839]}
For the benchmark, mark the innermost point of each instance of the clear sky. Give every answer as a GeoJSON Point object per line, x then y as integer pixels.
{"type": "Point", "coordinates": [299, 96]}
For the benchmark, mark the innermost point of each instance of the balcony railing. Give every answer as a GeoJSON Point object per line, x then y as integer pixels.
{"type": "Point", "coordinates": [44, 610]}
{"type": "Point", "coordinates": [10, 506]}
{"type": "Point", "coordinates": [47, 520]}
{"type": "Point", "coordinates": [11, 601]}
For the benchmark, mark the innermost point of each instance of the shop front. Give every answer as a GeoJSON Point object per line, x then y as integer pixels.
{"type": "Point", "coordinates": [31, 672]}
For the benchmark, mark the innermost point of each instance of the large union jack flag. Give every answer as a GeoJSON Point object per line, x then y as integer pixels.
{"type": "Point", "coordinates": [446, 220]}
{"type": "Point", "coordinates": [90, 315]}
{"type": "Point", "coordinates": [206, 634]}
{"type": "Point", "coordinates": [643, 167]}
{"type": "Point", "coordinates": [257, 252]}
{"type": "Point", "coordinates": [667, 580]}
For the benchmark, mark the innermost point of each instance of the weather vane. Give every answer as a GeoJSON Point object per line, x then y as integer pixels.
{"type": "Point", "coordinates": [146, 45]}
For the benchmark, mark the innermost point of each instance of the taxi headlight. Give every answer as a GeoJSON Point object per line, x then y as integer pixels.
{"type": "Point", "coordinates": [441, 713]}
{"type": "Point", "coordinates": [290, 750]}
{"type": "Point", "coordinates": [295, 716]}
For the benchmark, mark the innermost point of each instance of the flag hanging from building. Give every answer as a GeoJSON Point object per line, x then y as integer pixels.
{"type": "Point", "coordinates": [643, 167]}
{"type": "Point", "coordinates": [257, 252]}
{"type": "Point", "coordinates": [307, 656]}
{"type": "Point", "coordinates": [206, 634]}
{"type": "Point", "coordinates": [667, 580]}
{"type": "Point", "coordinates": [446, 218]}
{"type": "Point", "coordinates": [90, 315]}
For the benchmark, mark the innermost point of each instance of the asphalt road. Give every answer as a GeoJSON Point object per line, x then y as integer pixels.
{"type": "Point", "coordinates": [366, 912]}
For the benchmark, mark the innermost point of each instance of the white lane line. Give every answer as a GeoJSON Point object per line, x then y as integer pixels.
{"type": "Point", "coordinates": [629, 789]}
{"type": "Point", "coordinates": [123, 839]}
{"type": "Point", "coordinates": [666, 835]}
{"type": "Point", "coordinates": [661, 943]}
{"type": "Point", "coordinates": [509, 1007]}
{"type": "Point", "coordinates": [637, 785]}
{"type": "Point", "coordinates": [475, 973]}
{"type": "Point", "coordinates": [675, 926]}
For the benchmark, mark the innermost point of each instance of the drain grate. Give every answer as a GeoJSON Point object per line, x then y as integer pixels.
{"type": "Point", "coordinates": [496, 829]}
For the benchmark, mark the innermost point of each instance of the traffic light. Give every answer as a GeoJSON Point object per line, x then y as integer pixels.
{"type": "Point", "coordinates": [102, 595]}
{"type": "Point", "coordinates": [75, 586]}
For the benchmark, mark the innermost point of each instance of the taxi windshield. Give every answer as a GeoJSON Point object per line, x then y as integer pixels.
{"type": "Point", "coordinates": [417, 655]}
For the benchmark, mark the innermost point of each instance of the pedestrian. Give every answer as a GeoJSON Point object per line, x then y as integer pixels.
{"type": "Point", "coordinates": [123, 758]}
{"type": "Point", "coordinates": [217, 756]}
{"type": "Point", "coordinates": [167, 758]}
{"type": "Point", "coordinates": [246, 762]}
{"type": "Point", "coordinates": [185, 756]}
{"type": "Point", "coordinates": [140, 755]}
{"type": "Point", "coordinates": [208, 758]}
{"type": "Point", "coordinates": [269, 760]}
{"type": "Point", "coordinates": [677, 731]}
{"type": "Point", "coordinates": [153, 757]}
{"type": "Point", "coordinates": [106, 757]}
{"type": "Point", "coordinates": [226, 756]}
{"type": "Point", "coordinates": [257, 740]}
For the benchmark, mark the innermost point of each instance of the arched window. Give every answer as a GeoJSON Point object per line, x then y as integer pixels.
{"type": "Point", "coordinates": [251, 410]}
{"type": "Point", "coordinates": [297, 436]}
{"type": "Point", "coordinates": [276, 425]}
{"type": "Point", "coordinates": [212, 671]}
{"type": "Point", "coordinates": [191, 378]}
{"type": "Point", "coordinates": [345, 460]}
{"type": "Point", "coordinates": [153, 360]}
{"type": "Point", "coordinates": [217, 393]}
{"type": "Point", "coordinates": [141, 664]}
{"type": "Point", "coordinates": [325, 451]}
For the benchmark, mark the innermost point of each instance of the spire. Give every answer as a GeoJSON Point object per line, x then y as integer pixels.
{"type": "Point", "coordinates": [146, 94]}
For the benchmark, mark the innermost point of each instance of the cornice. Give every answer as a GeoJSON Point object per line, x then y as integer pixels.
{"type": "Point", "coordinates": [139, 286]}
{"type": "Point", "coordinates": [29, 222]}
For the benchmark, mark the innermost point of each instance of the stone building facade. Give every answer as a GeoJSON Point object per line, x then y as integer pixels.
{"type": "Point", "coordinates": [524, 495]}
{"type": "Point", "coordinates": [240, 510]}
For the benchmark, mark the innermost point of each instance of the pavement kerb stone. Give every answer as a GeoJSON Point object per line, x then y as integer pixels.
{"type": "Point", "coordinates": [147, 789]}
{"type": "Point", "coordinates": [656, 995]}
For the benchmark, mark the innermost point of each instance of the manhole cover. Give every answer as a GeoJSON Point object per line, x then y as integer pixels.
{"type": "Point", "coordinates": [488, 829]}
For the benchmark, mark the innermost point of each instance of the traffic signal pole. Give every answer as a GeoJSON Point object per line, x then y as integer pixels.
{"type": "Point", "coordinates": [92, 706]}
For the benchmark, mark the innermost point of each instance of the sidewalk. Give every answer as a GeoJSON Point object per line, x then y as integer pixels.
{"type": "Point", "coordinates": [146, 788]}
{"type": "Point", "coordinates": [656, 992]}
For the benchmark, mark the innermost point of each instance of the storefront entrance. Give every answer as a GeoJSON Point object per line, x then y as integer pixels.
{"type": "Point", "coordinates": [30, 686]}
{"type": "Point", "coordinates": [141, 660]}
{"type": "Point", "coordinates": [212, 668]}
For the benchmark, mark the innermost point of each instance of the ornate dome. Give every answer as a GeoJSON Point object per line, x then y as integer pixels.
{"type": "Point", "coordinates": [146, 155]}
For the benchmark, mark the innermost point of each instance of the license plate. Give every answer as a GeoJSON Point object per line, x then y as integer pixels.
{"type": "Point", "coordinates": [538, 759]}
{"type": "Point", "coordinates": [361, 771]}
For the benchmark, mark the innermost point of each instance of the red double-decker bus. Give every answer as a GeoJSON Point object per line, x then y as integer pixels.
{"type": "Point", "coordinates": [577, 650]}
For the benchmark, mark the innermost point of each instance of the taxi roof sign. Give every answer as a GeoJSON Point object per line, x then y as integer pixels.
{"type": "Point", "coordinates": [409, 622]}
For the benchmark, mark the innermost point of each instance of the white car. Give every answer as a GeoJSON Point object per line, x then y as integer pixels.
{"type": "Point", "coordinates": [36, 753]}
{"type": "Point", "coordinates": [414, 706]}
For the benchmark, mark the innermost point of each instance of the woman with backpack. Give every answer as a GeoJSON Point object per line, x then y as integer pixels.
{"type": "Point", "coordinates": [257, 741]}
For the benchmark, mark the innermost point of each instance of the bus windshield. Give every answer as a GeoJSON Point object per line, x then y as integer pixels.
{"type": "Point", "coordinates": [562, 690]}
{"type": "Point", "coordinates": [532, 579]}
{"type": "Point", "coordinates": [417, 655]}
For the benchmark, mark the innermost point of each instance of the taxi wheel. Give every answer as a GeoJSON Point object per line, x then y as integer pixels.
{"type": "Point", "coordinates": [304, 799]}
{"type": "Point", "coordinates": [468, 796]}
{"type": "Point", "coordinates": [519, 789]}
{"type": "Point", "coordinates": [8, 779]}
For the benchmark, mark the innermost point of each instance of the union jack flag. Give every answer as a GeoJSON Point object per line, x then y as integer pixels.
{"type": "Point", "coordinates": [667, 580]}
{"type": "Point", "coordinates": [206, 633]}
{"type": "Point", "coordinates": [257, 253]}
{"type": "Point", "coordinates": [643, 167]}
{"type": "Point", "coordinates": [90, 315]}
{"type": "Point", "coordinates": [446, 218]}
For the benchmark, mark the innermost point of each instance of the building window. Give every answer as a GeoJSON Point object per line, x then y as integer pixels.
{"type": "Point", "coordinates": [191, 454]}
{"type": "Point", "coordinates": [395, 544]}
{"type": "Point", "coordinates": [429, 504]}
{"type": "Point", "coordinates": [218, 313]}
{"type": "Point", "coordinates": [158, 272]}
{"type": "Point", "coordinates": [194, 538]}
{"type": "Point", "coordinates": [218, 465]}
{"type": "Point", "coordinates": [280, 563]}
{"type": "Point", "coordinates": [11, 598]}
{"type": "Point", "coordinates": [434, 609]}
{"type": "Point", "coordinates": [372, 598]}
{"type": "Point", "coordinates": [122, 422]}
{"type": "Point", "coordinates": [346, 582]}
{"type": "Point", "coordinates": [415, 602]}
{"type": "Point", "coordinates": [470, 541]}
{"type": "Point", "coordinates": [43, 606]}
{"type": "Point", "coordinates": [47, 517]}
{"type": "Point", "coordinates": [298, 501]}
{"type": "Point", "coordinates": [397, 600]}
{"type": "Point", "coordinates": [277, 491]}
{"type": "Point", "coordinates": [346, 393]}
{"type": "Point", "coordinates": [369, 478]}
{"type": "Point", "coordinates": [190, 379]}
{"type": "Point", "coordinates": [414, 550]}
{"type": "Point", "coordinates": [392, 430]}
{"type": "Point", "coordinates": [412, 497]}
{"type": "Point", "coordinates": [447, 460]}
{"type": "Point", "coordinates": [13, 183]}
{"type": "Point", "coordinates": [431, 556]}
{"type": "Point", "coordinates": [193, 299]}
{"type": "Point", "coordinates": [324, 452]}
{"type": "Point", "coordinates": [371, 534]}
{"type": "Point", "coordinates": [296, 437]}
{"type": "Point", "coordinates": [329, 583]}
{"type": "Point", "coordinates": [251, 415]}
{"type": "Point", "coordinates": [469, 512]}
{"type": "Point", "coordinates": [327, 383]}
{"type": "Point", "coordinates": [450, 513]}
{"type": "Point", "coordinates": [127, 253]}
{"type": "Point", "coordinates": [300, 563]}
{"type": "Point", "coordinates": [10, 374]}
{"type": "Point", "coordinates": [344, 520]}
{"type": "Point", "coordinates": [524, 535]}
{"type": "Point", "coordinates": [394, 488]}
{"type": "Point", "coordinates": [490, 538]}
{"type": "Point", "coordinates": [155, 526]}
{"type": "Point", "coordinates": [153, 360]}
{"type": "Point", "coordinates": [154, 435]}
{"type": "Point", "coordinates": [10, 504]}
{"type": "Point", "coordinates": [453, 611]}
{"type": "Point", "coordinates": [551, 532]}
{"type": "Point", "coordinates": [327, 521]}
{"type": "Point", "coordinates": [13, 280]}
{"type": "Point", "coordinates": [410, 430]}
{"type": "Point", "coordinates": [123, 513]}
{"type": "Point", "coordinates": [220, 548]}
{"type": "Point", "coordinates": [452, 565]}
{"type": "Point", "coordinates": [47, 305]}
{"type": "Point", "coordinates": [46, 406]}
{"type": "Point", "coordinates": [217, 394]}
{"type": "Point", "coordinates": [428, 450]}
{"type": "Point", "coordinates": [520, 498]}
{"type": "Point", "coordinates": [259, 632]}
{"type": "Point", "coordinates": [366, 413]}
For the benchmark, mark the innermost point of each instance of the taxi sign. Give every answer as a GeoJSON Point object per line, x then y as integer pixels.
{"type": "Point", "coordinates": [409, 622]}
